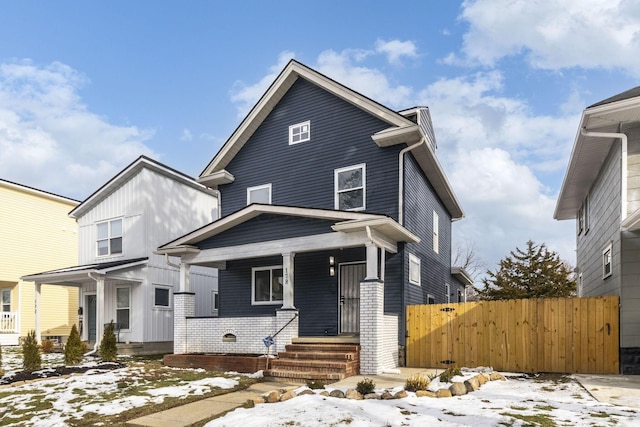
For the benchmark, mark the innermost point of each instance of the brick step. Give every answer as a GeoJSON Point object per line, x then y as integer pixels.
{"type": "Point", "coordinates": [331, 348]}
{"type": "Point", "coordinates": [318, 355]}
{"type": "Point", "coordinates": [305, 375]}
{"type": "Point", "coordinates": [305, 365]}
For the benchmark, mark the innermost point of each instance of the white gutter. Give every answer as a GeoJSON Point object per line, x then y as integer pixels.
{"type": "Point", "coordinates": [401, 178]}
{"type": "Point", "coordinates": [623, 172]}
{"type": "Point", "coordinates": [169, 263]}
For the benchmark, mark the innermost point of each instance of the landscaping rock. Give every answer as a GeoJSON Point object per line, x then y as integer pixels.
{"type": "Point", "coordinates": [425, 393]}
{"type": "Point", "coordinates": [258, 400]}
{"type": "Point", "coordinates": [337, 393]}
{"type": "Point", "coordinates": [497, 377]}
{"type": "Point", "coordinates": [353, 394]}
{"type": "Point", "coordinates": [386, 396]}
{"type": "Point", "coordinates": [457, 389]}
{"type": "Point", "coordinates": [372, 396]}
{"type": "Point", "coordinates": [324, 393]}
{"type": "Point", "coordinates": [272, 397]}
{"type": "Point", "coordinates": [472, 384]}
{"type": "Point", "coordinates": [401, 394]}
{"type": "Point", "coordinates": [286, 396]}
{"type": "Point", "coordinates": [483, 378]}
{"type": "Point", "coordinates": [307, 391]}
{"type": "Point", "coordinates": [443, 392]}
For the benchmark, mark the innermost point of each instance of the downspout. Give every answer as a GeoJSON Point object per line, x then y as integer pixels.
{"type": "Point", "coordinates": [623, 184]}
{"type": "Point", "coordinates": [169, 263]}
{"type": "Point", "coordinates": [95, 346]}
{"type": "Point", "coordinates": [401, 178]}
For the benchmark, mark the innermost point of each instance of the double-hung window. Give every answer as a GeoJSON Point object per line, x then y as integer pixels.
{"type": "Point", "coordinates": [414, 269]}
{"type": "Point", "coordinates": [266, 286]}
{"type": "Point", "coordinates": [436, 232]}
{"type": "Point", "coordinates": [6, 300]}
{"type": "Point", "coordinates": [607, 262]}
{"type": "Point", "coordinates": [123, 307]}
{"type": "Point", "coordinates": [259, 194]}
{"type": "Point", "coordinates": [300, 132]}
{"type": "Point", "coordinates": [109, 240]}
{"type": "Point", "coordinates": [350, 188]}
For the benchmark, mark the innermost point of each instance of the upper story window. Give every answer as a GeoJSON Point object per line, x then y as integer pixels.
{"type": "Point", "coordinates": [607, 262]}
{"type": "Point", "coordinates": [266, 285]}
{"type": "Point", "coordinates": [109, 237]}
{"type": "Point", "coordinates": [350, 188]}
{"type": "Point", "coordinates": [259, 194]}
{"type": "Point", "coordinates": [436, 232]}
{"type": "Point", "coordinates": [414, 269]}
{"type": "Point", "coordinates": [6, 300]}
{"type": "Point", "coordinates": [582, 220]}
{"type": "Point", "coordinates": [300, 132]}
{"type": "Point", "coordinates": [123, 307]}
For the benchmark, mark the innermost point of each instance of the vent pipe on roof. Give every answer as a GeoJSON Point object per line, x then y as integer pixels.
{"type": "Point", "coordinates": [623, 172]}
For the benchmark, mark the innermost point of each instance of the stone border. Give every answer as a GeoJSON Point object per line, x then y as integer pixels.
{"type": "Point", "coordinates": [456, 389]}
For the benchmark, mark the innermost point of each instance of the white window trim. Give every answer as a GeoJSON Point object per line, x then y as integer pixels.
{"type": "Point", "coordinates": [608, 249]}
{"type": "Point", "coordinates": [214, 309]}
{"type": "Point", "coordinates": [253, 285]}
{"type": "Point", "coordinates": [159, 307]}
{"type": "Point", "coordinates": [123, 308]}
{"type": "Point", "coordinates": [109, 237]}
{"type": "Point", "coordinates": [414, 260]}
{"type": "Point", "coordinates": [297, 126]}
{"type": "Point", "coordinates": [436, 232]}
{"type": "Point", "coordinates": [2, 291]}
{"type": "Point", "coordinates": [447, 290]}
{"type": "Point", "coordinates": [580, 285]}
{"type": "Point", "coordinates": [336, 193]}
{"type": "Point", "coordinates": [258, 187]}
{"type": "Point", "coordinates": [432, 298]}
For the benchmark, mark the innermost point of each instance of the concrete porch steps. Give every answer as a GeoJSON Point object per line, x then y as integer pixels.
{"type": "Point", "coordinates": [316, 361]}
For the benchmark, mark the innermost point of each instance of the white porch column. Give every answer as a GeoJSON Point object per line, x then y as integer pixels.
{"type": "Point", "coordinates": [185, 269]}
{"type": "Point", "coordinates": [371, 327]}
{"type": "Point", "coordinates": [184, 304]}
{"type": "Point", "coordinates": [99, 308]}
{"type": "Point", "coordinates": [37, 302]}
{"type": "Point", "coordinates": [372, 261]}
{"type": "Point", "coordinates": [287, 279]}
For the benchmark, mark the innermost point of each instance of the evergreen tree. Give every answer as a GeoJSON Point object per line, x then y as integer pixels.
{"type": "Point", "coordinates": [73, 350]}
{"type": "Point", "coordinates": [31, 360]}
{"type": "Point", "coordinates": [533, 273]}
{"type": "Point", "coordinates": [108, 348]}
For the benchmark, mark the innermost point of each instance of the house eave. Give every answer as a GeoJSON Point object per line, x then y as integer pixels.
{"type": "Point", "coordinates": [217, 178]}
{"type": "Point", "coordinates": [386, 226]}
{"type": "Point", "coordinates": [462, 275]}
{"type": "Point", "coordinates": [397, 135]}
{"type": "Point", "coordinates": [631, 222]}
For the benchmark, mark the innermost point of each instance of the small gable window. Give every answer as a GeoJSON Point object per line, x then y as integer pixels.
{"type": "Point", "coordinates": [350, 188]}
{"type": "Point", "coordinates": [267, 285]}
{"type": "Point", "coordinates": [109, 240]}
{"type": "Point", "coordinates": [259, 194]}
{"type": "Point", "coordinates": [300, 132]}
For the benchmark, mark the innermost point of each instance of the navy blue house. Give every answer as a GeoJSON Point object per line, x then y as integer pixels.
{"type": "Point", "coordinates": [335, 215]}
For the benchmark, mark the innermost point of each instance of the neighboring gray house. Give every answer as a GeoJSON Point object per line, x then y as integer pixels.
{"type": "Point", "coordinates": [336, 215]}
{"type": "Point", "coordinates": [119, 277]}
{"type": "Point", "coordinates": [601, 191]}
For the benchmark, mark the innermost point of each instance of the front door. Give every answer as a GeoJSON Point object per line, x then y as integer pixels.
{"type": "Point", "coordinates": [350, 277]}
{"type": "Point", "coordinates": [91, 317]}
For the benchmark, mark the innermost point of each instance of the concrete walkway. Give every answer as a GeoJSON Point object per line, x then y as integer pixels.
{"type": "Point", "coordinates": [615, 389]}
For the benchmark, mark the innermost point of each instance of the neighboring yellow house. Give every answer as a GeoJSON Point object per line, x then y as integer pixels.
{"type": "Point", "coordinates": [36, 234]}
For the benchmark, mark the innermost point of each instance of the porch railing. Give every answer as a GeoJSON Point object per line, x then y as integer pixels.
{"type": "Point", "coordinates": [8, 322]}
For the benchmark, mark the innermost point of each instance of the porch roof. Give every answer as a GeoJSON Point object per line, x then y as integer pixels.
{"type": "Point", "coordinates": [79, 273]}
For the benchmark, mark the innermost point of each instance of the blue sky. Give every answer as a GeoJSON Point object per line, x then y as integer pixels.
{"type": "Point", "coordinates": [86, 87]}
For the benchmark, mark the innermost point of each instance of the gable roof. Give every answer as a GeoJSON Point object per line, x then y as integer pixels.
{"type": "Point", "coordinates": [401, 131]}
{"type": "Point", "coordinates": [37, 192]}
{"type": "Point", "coordinates": [127, 173]}
{"type": "Point", "coordinates": [589, 152]}
{"type": "Point", "coordinates": [345, 221]}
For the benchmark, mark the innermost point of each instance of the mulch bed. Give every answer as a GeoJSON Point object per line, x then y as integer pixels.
{"type": "Point", "coordinates": [58, 371]}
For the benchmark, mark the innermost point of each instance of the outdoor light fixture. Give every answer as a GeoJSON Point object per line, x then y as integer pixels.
{"type": "Point", "coordinates": [332, 270]}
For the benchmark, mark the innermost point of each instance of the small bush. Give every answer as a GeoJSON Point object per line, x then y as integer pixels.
{"type": "Point", "coordinates": [315, 384]}
{"type": "Point", "coordinates": [365, 386]}
{"type": "Point", "coordinates": [417, 382]}
{"type": "Point", "coordinates": [73, 351]}
{"type": "Point", "coordinates": [108, 348]}
{"type": "Point", "coordinates": [449, 373]}
{"type": "Point", "coordinates": [31, 360]}
{"type": "Point", "coordinates": [47, 346]}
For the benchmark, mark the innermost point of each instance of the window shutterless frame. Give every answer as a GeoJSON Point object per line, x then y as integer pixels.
{"type": "Point", "coordinates": [607, 261]}
{"type": "Point", "coordinates": [259, 194]}
{"type": "Point", "coordinates": [266, 285]}
{"type": "Point", "coordinates": [414, 269]}
{"type": "Point", "coordinates": [161, 296]}
{"type": "Point", "coordinates": [109, 237]}
{"type": "Point", "coordinates": [299, 132]}
{"type": "Point", "coordinates": [350, 188]}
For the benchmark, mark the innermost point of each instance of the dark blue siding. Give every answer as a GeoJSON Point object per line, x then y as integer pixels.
{"type": "Point", "coordinates": [268, 227]}
{"type": "Point", "coordinates": [303, 174]}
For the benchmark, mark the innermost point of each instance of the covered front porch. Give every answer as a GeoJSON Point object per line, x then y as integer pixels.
{"type": "Point", "coordinates": [325, 279]}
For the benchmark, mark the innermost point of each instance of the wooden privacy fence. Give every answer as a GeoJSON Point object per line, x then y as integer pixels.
{"type": "Point", "coordinates": [574, 335]}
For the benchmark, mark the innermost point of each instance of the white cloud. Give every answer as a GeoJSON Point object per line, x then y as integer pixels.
{"type": "Point", "coordinates": [186, 135]}
{"type": "Point", "coordinates": [553, 34]}
{"type": "Point", "coordinates": [49, 139]}
{"type": "Point", "coordinates": [396, 49]}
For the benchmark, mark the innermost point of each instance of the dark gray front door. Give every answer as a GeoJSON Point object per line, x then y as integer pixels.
{"type": "Point", "coordinates": [91, 317]}
{"type": "Point", "coordinates": [350, 277]}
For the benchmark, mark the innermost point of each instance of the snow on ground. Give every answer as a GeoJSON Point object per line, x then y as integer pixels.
{"type": "Point", "coordinates": [514, 402]}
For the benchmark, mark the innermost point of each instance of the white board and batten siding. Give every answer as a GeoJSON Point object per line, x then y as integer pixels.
{"type": "Point", "coordinates": [155, 209]}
